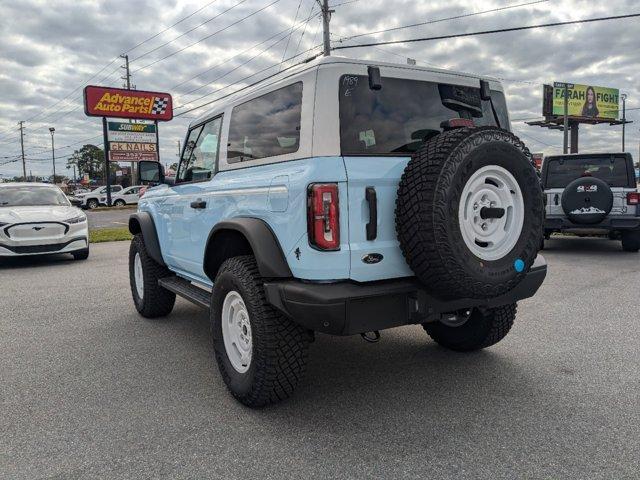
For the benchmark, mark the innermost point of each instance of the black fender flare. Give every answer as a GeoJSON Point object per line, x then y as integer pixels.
{"type": "Point", "coordinates": [142, 222]}
{"type": "Point", "coordinates": [263, 242]}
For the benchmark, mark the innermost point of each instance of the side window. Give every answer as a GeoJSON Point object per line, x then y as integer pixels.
{"type": "Point", "coordinates": [266, 126]}
{"type": "Point", "coordinates": [201, 152]}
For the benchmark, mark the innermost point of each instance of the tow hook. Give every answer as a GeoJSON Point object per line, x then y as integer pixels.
{"type": "Point", "coordinates": [371, 339]}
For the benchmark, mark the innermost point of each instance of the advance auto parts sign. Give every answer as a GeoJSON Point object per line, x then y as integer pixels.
{"type": "Point", "coordinates": [586, 101]}
{"type": "Point", "coordinates": [123, 103]}
{"type": "Point", "coordinates": [132, 142]}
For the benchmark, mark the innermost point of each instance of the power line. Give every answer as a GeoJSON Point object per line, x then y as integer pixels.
{"type": "Point", "coordinates": [188, 31]}
{"type": "Point", "coordinates": [456, 17]}
{"type": "Point", "coordinates": [284, 53]}
{"type": "Point", "coordinates": [219, 64]}
{"type": "Point", "coordinates": [259, 54]}
{"type": "Point", "coordinates": [207, 37]}
{"type": "Point", "coordinates": [170, 27]}
{"type": "Point", "coordinates": [487, 32]}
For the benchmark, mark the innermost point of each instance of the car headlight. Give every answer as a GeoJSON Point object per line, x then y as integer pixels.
{"type": "Point", "coordinates": [78, 219]}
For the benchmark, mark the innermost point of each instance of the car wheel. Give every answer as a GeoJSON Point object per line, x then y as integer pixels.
{"type": "Point", "coordinates": [631, 240]}
{"type": "Point", "coordinates": [477, 330]}
{"type": "Point", "coordinates": [261, 354]}
{"type": "Point", "coordinates": [119, 203]}
{"type": "Point", "coordinates": [93, 203]}
{"type": "Point", "coordinates": [151, 300]}
{"type": "Point", "coordinates": [469, 213]}
{"type": "Point", "coordinates": [81, 254]}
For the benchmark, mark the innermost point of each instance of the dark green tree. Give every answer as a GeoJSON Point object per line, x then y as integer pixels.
{"type": "Point", "coordinates": [90, 159]}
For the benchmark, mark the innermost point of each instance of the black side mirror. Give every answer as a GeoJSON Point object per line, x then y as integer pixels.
{"type": "Point", "coordinates": [152, 172]}
{"type": "Point", "coordinates": [375, 81]}
{"type": "Point", "coordinates": [485, 90]}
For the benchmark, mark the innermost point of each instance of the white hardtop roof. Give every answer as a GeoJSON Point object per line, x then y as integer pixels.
{"type": "Point", "coordinates": [219, 104]}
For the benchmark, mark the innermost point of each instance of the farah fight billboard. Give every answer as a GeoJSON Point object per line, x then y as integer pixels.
{"type": "Point", "coordinates": [584, 101]}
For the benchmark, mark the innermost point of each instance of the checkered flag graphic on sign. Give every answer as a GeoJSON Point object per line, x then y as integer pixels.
{"type": "Point", "coordinates": [159, 105]}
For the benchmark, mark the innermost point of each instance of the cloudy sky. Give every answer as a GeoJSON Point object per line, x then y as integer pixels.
{"type": "Point", "coordinates": [192, 49]}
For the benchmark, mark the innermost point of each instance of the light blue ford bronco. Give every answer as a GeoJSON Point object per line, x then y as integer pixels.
{"type": "Point", "coordinates": [342, 197]}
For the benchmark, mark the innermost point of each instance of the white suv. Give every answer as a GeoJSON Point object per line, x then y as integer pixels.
{"type": "Point", "coordinates": [128, 196]}
{"type": "Point", "coordinates": [93, 199]}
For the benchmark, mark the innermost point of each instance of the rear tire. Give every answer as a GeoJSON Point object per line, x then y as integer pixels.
{"type": "Point", "coordinates": [150, 299]}
{"type": "Point", "coordinates": [631, 241]}
{"type": "Point", "coordinates": [481, 330]}
{"type": "Point", "coordinates": [263, 359]}
{"type": "Point", "coordinates": [81, 254]}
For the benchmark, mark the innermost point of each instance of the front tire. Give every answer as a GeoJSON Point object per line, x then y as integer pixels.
{"type": "Point", "coordinates": [150, 299]}
{"type": "Point", "coordinates": [631, 241]}
{"type": "Point", "coordinates": [119, 203]}
{"type": "Point", "coordinates": [261, 354]}
{"type": "Point", "coordinates": [81, 254]}
{"type": "Point", "coordinates": [93, 203]}
{"type": "Point", "coordinates": [481, 330]}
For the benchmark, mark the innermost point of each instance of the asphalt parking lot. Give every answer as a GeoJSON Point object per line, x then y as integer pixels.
{"type": "Point", "coordinates": [92, 390]}
{"type": "Point", "coordinates": [109, 218]}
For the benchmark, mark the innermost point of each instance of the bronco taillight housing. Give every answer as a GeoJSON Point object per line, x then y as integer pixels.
{"type": "Point", "coordinates": [633, 198]}
{"type": "Point", "coordinates": [323, 216]}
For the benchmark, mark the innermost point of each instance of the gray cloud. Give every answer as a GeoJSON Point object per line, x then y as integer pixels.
{"type": "Point", "coordinates": [50, 50]}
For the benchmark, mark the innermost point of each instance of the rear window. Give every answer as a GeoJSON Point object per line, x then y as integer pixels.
{"type": "Point", "coordinates": [563, 170]}
{"type": "Point", "coordinates": [266, 126]}
{"type": "Point", "coordinates": [399, 117]}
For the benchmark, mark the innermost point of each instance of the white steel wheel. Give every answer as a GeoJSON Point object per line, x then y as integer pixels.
{"type": "Point", "coordinates": [138, 276]}
{"type": "Point", "coordinates": [489, 236]}
{"type": "Point", "coordinates": [236, 331]}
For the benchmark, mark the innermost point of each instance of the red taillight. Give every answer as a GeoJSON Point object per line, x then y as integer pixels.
{"type": "Point", "coordinates": [633, 198]}
{"type": "Point", "coordinates": [323, 216]}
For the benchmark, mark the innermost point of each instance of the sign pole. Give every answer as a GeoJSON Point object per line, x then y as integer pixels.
{"type": "Point", "coordinates": [106, 159]}
{"type": "Point", "coordinates": [566, 119]}
{"type": "Point", "coordinates": [157, 141]}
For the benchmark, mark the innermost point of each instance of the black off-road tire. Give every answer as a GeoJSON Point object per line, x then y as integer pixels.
{"type": "Point", "coordinates": [156, 301]}
{"type": "Point", "coordinates": [480, 331]}
{"type": "Point", "coordinates": [81, 254]}
{"type": "Point", "coordinates": [631, 240]}
{"type": "Point", "coordinates": [427, 213]}
{"type": "Point", "coordinates": [279, 346]}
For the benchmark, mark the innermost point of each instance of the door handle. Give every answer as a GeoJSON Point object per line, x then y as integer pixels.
{"type": "Point", "coordinates": [199, 204]}
{"type": "Point", "coordinates": [372, 199]}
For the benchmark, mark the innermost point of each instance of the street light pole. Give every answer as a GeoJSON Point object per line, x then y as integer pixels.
{"type": "Point", "coordinates": [624, 116]}
{"type": "Point", "coordinates": [565, 145]}
{"type": "Point", "coordinates": [53, 154]}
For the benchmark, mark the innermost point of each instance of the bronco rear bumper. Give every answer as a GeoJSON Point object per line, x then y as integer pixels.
{"type": "Point", "coordinates": [347, 308]}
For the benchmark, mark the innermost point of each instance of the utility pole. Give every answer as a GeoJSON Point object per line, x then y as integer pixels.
{"type": "Point", "coordinates": [24, 164]}
{"type": "Point", "coordinates": [326, 18]}
{"type": "Point", "coordinates": [53, 154]}
{"type": "Point", "coordinates": [127, 85]}
{"type": "Point", "coordinates": [127, 75]}
{"type": "Point", "coordinates": [565, 145]}
{"type": "Point", "coordinates": [624, 116]}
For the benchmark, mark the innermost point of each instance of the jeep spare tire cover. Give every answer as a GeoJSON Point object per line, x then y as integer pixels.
{"type": "Point", "coordinates": [587, 200]}
{"type": "Point", "coordinates": [469, 213]}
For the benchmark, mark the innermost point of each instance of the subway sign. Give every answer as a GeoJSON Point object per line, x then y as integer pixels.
{"type": "Point", "coordinates": [123, 103]}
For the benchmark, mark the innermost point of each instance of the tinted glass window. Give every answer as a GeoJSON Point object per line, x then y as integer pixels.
{"type": "Point", "coordinates": [400, 116]}
{"type": "Point", "coordinates": [562, 171]}
{"type": "Point", "coordinates": [201, 152]}
{"type": "Point", "coordinates": [266, 126]}
{"type": "Point", "coordinates": [27, 196]}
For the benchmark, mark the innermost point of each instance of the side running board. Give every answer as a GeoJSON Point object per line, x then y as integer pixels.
{"type": "Point", "coordinates": [186, 290]}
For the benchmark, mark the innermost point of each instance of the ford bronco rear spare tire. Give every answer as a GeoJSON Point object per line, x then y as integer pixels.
{"type": "Point", "coordinates": [587, 200]}
{"type": "Point", "coordinates": [469, 213]}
